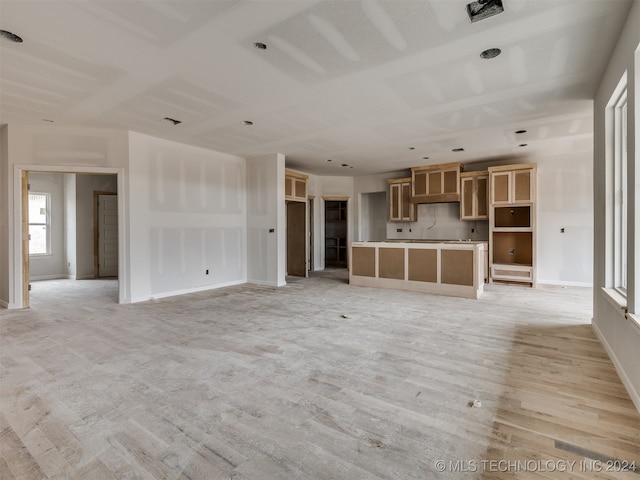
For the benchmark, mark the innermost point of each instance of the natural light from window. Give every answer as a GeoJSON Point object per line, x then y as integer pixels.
{"type": "Point", "coordinates": [39, 223]}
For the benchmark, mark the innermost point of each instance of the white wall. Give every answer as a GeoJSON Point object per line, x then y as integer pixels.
{"type": "Point", "coordinates": [619, 335]}
{"type": "Point", "coordinates": [187, 215]}
{"type": "Point", "coordinates": [70, 224]}
{"type": "Point", "coordinates": [50, 148]}
{"type": "Point", "coordinates": [5, 282]}
{"type": "Point", "coordinates": [266, 220]}
{"type": "Point", "coordinates": [42, 267]}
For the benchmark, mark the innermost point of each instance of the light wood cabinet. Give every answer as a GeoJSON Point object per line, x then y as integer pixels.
{"type": "Point", "coordinates": [401, 208]}
{"type": "Point", "coordinates": [436, 183]}
{"type": "Point", "coordinates": [511, 186]}
{"type": "Point", "coordinates": [295, 186]}
{"type": "Point", "coordinates": [473, 195]}
{"type": "Point", "coordinates": [512, 223]}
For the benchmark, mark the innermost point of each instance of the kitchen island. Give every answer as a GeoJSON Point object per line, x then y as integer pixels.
{"type": "Point", "coordinates": [444, 267]}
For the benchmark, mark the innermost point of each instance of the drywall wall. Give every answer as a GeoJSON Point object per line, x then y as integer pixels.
{"type": "Point", "coordinates": [187, 216]}
{"type": "Point", "coordinates": [5, 282]}
{"type": "Point", "coordinates": [372, 226]}
{"type": "Point", "coordinates": [565, 201]}
{"type": "Point", "coordinates": [42, 267]}
{"type": "Point", "coordinates": [619, 334]}
{"type": "Point", "coordinates": [70, 224]}
{"type": "Point", "coordinates": [86, 185]}
{"type": "Point", "coordinates": [48, 148]}
{"type": "Point", "coordinates": [266, 220]}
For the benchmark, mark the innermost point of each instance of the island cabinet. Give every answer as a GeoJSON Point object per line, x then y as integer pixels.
{"type": "Point", "coordinates": [295, 186]}
{"type": "Point", "coordinates": [453, 268]}
{"type": "Point", "coordinates": [512, 224]}
{"type": "Point", "coordinates": [474, 195]}
{"type": "Point", "coordinates": [401, 208]}
{"type": "Point", "coordinates": [436, 183]}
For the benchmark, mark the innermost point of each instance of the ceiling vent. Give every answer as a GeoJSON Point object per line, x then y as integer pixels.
{"type": "Point", "coordinates": [171, 120]}
{"type": "Point", "coordinates": [481, 9]}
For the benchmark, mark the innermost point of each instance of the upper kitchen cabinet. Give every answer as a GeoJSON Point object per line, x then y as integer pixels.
{"type": "Point", "coordinates": [295, 186]}
{"type": "Point", "coordinates": [436, 183]}
{"type": "Point", "coordinates": [401, 208]}
{"type": "Point", "coordinates": [512, 184]}
{"type": "Point", "coordinates": [473, 193]}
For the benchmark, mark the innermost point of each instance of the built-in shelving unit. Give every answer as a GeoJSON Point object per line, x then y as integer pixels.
{"type": "Point", "coordinates": [335, 236]}
{"type": "Point", "coordinates": [512, 220]}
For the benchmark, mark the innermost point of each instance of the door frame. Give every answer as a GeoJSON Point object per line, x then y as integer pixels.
{"type": "Point", "coordinates": [19, 261]}
{"type": "Point", "coordinates": [310, 220]}
{"type": "Point", "coordinates": [96, 247]}
{"type": "Point", "coordinates": [339, 198]}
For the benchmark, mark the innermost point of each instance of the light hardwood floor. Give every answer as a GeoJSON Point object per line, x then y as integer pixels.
{"type": "Point", "coordinates": [314, 380]}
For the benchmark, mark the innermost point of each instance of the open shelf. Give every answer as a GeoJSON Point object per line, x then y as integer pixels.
{"type": "Point", "coordinates": [513, 248]}
{"type": "Point", "coordinates": [512, 217]}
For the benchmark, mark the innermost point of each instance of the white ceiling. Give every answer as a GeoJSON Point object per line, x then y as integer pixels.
{"type": "Point", "coordinates": [357, 82]}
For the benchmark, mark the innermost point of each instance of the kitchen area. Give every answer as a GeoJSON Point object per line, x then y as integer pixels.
{"type": "Point", "coordinates": [450, 231]}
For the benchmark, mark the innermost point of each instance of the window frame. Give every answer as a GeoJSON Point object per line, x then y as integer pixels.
{"type": "Point", "coordinates": [46, 224]}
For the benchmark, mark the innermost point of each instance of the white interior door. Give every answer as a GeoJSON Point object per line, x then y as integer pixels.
{"type": "Point", "coordinates": [107, 235]}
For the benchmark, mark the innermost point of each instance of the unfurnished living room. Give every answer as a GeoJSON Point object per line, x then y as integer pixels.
{"type": "Point", "coordinates": [348, 239]}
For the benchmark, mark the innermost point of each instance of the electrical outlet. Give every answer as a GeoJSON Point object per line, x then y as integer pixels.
{"type": "Point", "coordinates": [473, 230]}
{"type": "Point", "coordinates": [562, 230]}
{"type": "Point", "coordinates": [399, 230]}
{"type": "Point", "coordinates": [206, 272]}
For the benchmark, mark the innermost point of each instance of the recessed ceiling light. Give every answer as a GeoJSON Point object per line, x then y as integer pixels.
{"type": "Point", "coordinates": [47, 120]}
{"type": "Point", "coordinates": [12, 37]}
{"type": "Point", "coordinates": [521, 131]}
{"type": "Point", "coordinates": [425, 158]}
{"type": "Point", "coordinates": [490, 53]}
{"type": "Point", "coordinates": [260, 46]}
{"type": "Point", "coordinates": [345, 164]}
{"type": "Point", "coordinates": [460, 149]}
{"type": "Point", "coordinates": [523, 144]}
{"type": "Point", "coordinates": [172, 120]}
{"type": "Point", "coordinates": [247, 122]}
{"type": "Point", "coordinates": [329, 160]}
{"type": "Point", "coordinates": [350, 166]}
{"type": "Point", "coordinates": [411, 148]}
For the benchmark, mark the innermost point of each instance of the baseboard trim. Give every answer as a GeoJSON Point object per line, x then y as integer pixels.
{"type": "Point", "coordinates": [266, 284]}
{"type": "Point", "coordinates": [186, 291]}
{"type": "Point", "coordinates": [635, 395]}
{"type": "Point", "coordinates": [47, 277]}
{"type": "Point", "coordinates": [558, 283]}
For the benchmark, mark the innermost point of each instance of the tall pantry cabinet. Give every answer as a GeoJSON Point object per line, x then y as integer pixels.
{"type": "Point", "coordinates": [512, 223]}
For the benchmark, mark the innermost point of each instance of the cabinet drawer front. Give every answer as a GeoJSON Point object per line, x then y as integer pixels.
{"type": "Point", "coordinates": [512, 273]}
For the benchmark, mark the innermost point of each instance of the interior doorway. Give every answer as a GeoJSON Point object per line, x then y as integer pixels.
{"type": "Point", "coordinates": [297, 238]}
{"type": "Point", "coordinates": [74, 255]}
{"type": "Point", "coordinates": [335, 233]}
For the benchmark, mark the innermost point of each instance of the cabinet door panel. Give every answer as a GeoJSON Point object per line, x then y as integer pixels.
{"type": "Point", "coordinates": [406, 201]}
{"type": "Point", "coordinates": [420, 183]}
{"type": "Point", "coordinates": [301, 188]}
{"type": "Point", "coordinates": [450, 182]}
{"type": "Point", "coordinates": [288, 186]}
{"type": "Point", "coordinates": [522, 186]}
{"type": "Point", "coordinates": [435, 183]}
{"type": "Point", "coordinates": [467, 198]}
{"type": "Point", "coordinates": [501, 187]}
{"type": "Point", "coordinates": [394, 195]}
{"type": "Point", "coordinates": [481, 196]}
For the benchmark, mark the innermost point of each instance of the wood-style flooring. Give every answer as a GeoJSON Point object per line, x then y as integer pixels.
{"type": "Point", "coordinates": [314, 380]}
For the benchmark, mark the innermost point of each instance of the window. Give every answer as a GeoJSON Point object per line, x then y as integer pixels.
{"type": "Point", "coordinates": [39, 223]}
{"type": "Point", "coordinates": [620, 195]}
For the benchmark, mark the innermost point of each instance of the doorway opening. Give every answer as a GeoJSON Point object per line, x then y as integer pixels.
{"type": "Point", "coordinates": [297, 238]}
{"type": "Point", "coordinates": [74, 225]}
{"type": "Point", "coordinates": [335, 233]}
